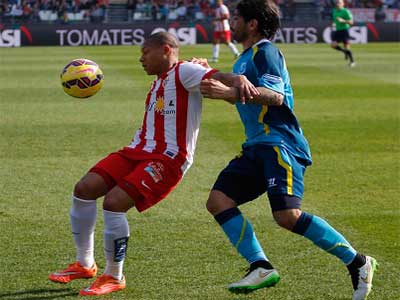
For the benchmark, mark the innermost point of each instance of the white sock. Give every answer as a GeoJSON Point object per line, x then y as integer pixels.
{"type": "Point", "coordinates": [216, 51]}
{"type": "Point", "coordinates": [83, 221]}
{"type": "Point", "coordinates": [116, 235]}
{"type": "Point", "coordinates": [233, 48]}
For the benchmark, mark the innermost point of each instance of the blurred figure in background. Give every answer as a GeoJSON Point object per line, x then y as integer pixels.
{"type": "Point", "coordinates": [342, 21]}
{"type": "Point", "coordinates": [222, 31]}
{"type": "Point", "coordinates": [131, 7]}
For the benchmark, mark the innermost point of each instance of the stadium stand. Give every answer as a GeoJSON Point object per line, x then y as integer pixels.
{"type": "Point", "coordinates": [118, 11]}
{"type": "Point", "coordinates": [305, 10]}
{"type": "Point", "coordinates": [105, 11]}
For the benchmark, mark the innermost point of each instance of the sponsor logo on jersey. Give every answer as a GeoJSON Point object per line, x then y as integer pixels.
{"type": "Point", "coordinates": [160, 107]}
{"type": "Point", "coordinates": [155, 170]}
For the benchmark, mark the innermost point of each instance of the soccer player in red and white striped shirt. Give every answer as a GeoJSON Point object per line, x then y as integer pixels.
{"type": "Point", "coordinates": [222, 31]}
{"type": "Point", "coordinates": [144, 172]}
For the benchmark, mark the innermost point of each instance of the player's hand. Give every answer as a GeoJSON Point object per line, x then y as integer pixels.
{"type": "Point", "coordinates": [341, 20]}
{"type": "Point", "coordinates": [246, 89]}
{"type": "Point", "coordinates": [215, 89]}
{"type": "Point", "coordinates": [200, 61]}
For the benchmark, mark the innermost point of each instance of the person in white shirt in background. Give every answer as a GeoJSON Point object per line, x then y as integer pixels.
{"type": "Point", "coordinates": [222, 31]}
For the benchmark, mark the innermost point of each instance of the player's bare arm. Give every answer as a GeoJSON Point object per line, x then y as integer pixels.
{"type": "Point", "coordinates": [215, 89]}
{"type": "Point", "coordinates": [231, 87]}
{"type": "Point", "coordinates": [246, 90]}
{"type": "Point", "coordinates": [267, 97]}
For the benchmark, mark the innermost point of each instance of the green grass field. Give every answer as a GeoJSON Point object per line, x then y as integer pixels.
{"type": "Point", "coordinates": [177, 251]}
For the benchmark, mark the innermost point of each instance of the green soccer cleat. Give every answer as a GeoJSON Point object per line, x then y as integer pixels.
{"type": "Point", "coordinates": [362, 278]}
{"type": "Point", "coordinates": [255, 279]}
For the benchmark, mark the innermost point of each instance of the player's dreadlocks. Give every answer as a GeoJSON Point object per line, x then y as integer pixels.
{"type": "Point", "coordinates": [264, 11]}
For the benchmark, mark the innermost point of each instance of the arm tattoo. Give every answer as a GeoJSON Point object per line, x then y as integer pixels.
{"type": "Point", "coordinates": [267, 97]}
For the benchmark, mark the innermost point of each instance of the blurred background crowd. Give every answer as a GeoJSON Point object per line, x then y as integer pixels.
{"type": "Point", "coordinates": [106, 11]}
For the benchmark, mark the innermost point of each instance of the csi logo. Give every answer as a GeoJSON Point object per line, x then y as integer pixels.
{"type": "Point", "coordinates": [358, 34]}
{"type": "Point", "coordinates": [12, 37]}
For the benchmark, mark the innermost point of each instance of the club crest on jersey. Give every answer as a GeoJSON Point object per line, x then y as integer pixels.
{"type": "Point", "coordinates": [155, 170]}
{"type": "Point", "coordinates": [242, 68]}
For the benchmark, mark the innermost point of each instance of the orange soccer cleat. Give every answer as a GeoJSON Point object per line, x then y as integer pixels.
{"type": "Point", "coordinates": [104, 284]}
{"type": "Point", "coordinates": [74, 271]}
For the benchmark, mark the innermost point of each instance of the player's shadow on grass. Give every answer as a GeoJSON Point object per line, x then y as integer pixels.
{"type": "Point", "coordinates": [38, 294]}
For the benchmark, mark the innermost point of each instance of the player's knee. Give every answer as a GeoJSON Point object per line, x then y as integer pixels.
{"type": "Point", "coordinates": [110, 203]}
{"type": "Point", "coordinates": [117, 200]}
{"type": "Point", "coordinates": [218, 202]}
{"type": "Point", "coordinates": [114, 204]}
{"type": "Point", "coordinates": [287, 218]}
{"type": "Point", "coordinates": [82, 190]}
{"type": "Point", "coordinates": [210, 205]}
{"type": "Point", "coordinates": [90, 187]}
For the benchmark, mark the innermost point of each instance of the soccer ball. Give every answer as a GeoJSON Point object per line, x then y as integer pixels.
{"type": "Point", "coordinates": [81, 78]}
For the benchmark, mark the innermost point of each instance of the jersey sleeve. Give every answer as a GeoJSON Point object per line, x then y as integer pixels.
{"type": "Point", "coordinates": [269, 65]}
{"type": "Point", "coordinates": [192, 74]}
{"type": "Point", "coordinates": [224, 10]}
{"type": "Point", "coordinates": [348, 14]}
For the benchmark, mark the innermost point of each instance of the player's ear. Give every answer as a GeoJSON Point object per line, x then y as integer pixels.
{"type": "Point", "coordinates": [167, 49]}
{"type": "Point", "coordinates": [253, 24]}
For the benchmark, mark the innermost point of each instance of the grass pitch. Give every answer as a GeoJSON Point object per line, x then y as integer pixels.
{"type": "Point", "coordinates": [177, 251]}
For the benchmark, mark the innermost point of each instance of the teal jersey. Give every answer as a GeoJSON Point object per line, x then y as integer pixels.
{"type": "Point", "coordinates": [264, 65]}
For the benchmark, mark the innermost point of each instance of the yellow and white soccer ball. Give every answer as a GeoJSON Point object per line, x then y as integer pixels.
{"type": "Point", "coordinates": [81, 78]}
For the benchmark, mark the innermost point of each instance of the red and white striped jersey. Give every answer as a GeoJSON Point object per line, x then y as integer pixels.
{"type": "Point", "coordinates": [172, 114]}
{"type": "Point", "coordinates": [224, 24]}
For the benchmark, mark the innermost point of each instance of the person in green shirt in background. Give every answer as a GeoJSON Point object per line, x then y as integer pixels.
{"type": "Point", "coordinates": [342, 21]}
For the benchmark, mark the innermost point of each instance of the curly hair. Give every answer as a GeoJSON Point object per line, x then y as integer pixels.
{"type": "Point", "coordinates": [264, 11]}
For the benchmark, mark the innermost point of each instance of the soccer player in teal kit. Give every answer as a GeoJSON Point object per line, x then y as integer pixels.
{"type": "Point", "coordinates": [274, 158]}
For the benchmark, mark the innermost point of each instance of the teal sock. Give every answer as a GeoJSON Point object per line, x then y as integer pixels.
{"type": "Point", "coordinates": [325, 237]}
{"type": "Point", "coordinates": [241, 234]}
